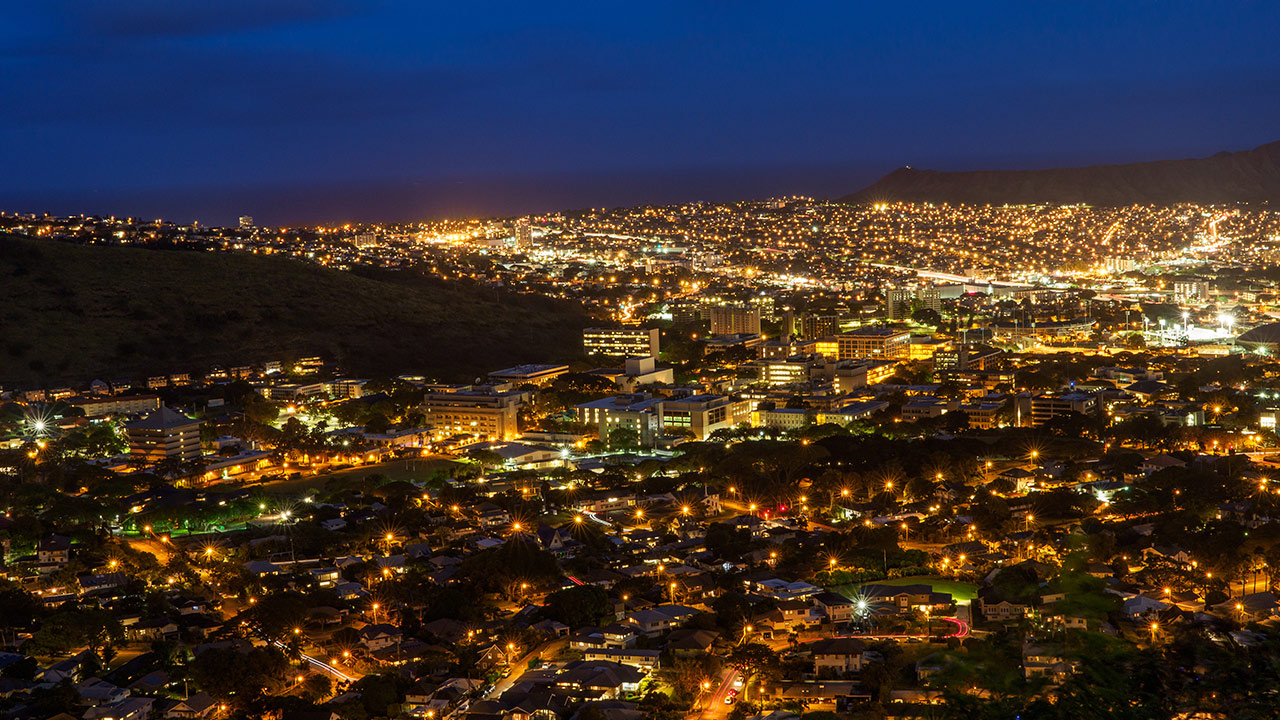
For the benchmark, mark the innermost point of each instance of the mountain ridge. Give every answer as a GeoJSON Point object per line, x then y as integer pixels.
{"type": "Point", "coordinates": [1225, 177]}
{"type": "Point", "coordinates": [73, 312]}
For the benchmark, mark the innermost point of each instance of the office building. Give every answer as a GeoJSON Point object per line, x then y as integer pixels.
{"type": "Point", "coordinates": [704, 414]}
{"type": "Point", "coordinates": [246, 222]}
{"type": "Point", "coordinates": [874, 343]}
{"type": "Point", "coordinates": [966, 357]}
{"type": "Point", "coordinates": [1050, 405]}
{"type": "Point", "coordinates": [540, 375]}
{"type": "Point", "coordinates": [639, 412]}
{"type": "Point", "coordinates": [792, 371]}
{"type": "Point", "coordinates": [728, 320]}
{"type": "Point", "coordinates": [347, 388]}
{"type": "Point", "coordinates": [621, 342]}
{"type": "Point", "coordinates": [485, 414]}
{"type": "Point", "coordinates": [164, 433]}
{"type": "Point", "coordinates": [118, 405]}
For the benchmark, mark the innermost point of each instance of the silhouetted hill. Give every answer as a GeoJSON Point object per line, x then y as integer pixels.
{"type": "Point", "coordinates": [1248, 176]}
{"type": "Point", "coordinates": [75, 312]}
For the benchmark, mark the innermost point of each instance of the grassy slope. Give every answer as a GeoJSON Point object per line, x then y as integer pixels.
{"type": "Point", "coordinates": [70, 312]}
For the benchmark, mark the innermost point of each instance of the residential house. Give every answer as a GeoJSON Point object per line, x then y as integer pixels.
{"type": "Point", "coordinates": [839, 656]}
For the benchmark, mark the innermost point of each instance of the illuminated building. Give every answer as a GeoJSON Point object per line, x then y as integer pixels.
{"type": "Point", "coordinates": [118, 405]}
{"type": "Point", "coordinates": [638, 412]}
{"type": "Point", "coordinates": [924, 347]}
{"type": "Point", "coordinates": [164, 433]}
{"type": "Point", "coordinates": [897, 304]}
{"type": "Point", "coordinates": [783, 418]}
{"type": "Point", "coordinates": [621, 342]}
{"type": "Point", "coordinates": [704, 414]}
{"type": "Point", "coordinates": [874, 343]}
{"type": "Point", "coordinates": [727, 320]}
{"type": "Point", "coordinates": [792, 371]}
{"type": "Point", "coordinates": [966, 357]}
{"type": "Point", "coordinates": [1049, 405]}
{"type": "Point", "coordinates": [529, 374]}
{"type": "Point", "coordinates": [901, 303]}
{"type": "Point", "coordinates": [490, 415]}
{"type": "Point", "coordinates": [813, 327]}
{"type": "Point", "coordinates": [1188, 290]}
{"type": "Point", "coordinates": [523, 234]}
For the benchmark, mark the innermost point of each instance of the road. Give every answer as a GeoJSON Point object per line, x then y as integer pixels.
{"type": "Point", "coordinates": [345, 676]}
{"type": "Point", "coordinates": [715, 706]}
{"type": "Point", "coordinates": [520, 664]}
{"type": "Point", "coordinates": [161, 550]}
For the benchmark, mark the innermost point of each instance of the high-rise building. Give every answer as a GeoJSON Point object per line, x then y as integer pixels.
{"type": "Point", "coordinates": [728, 320]}
{"type": "Point", "coordinates": [621, 342]}
{"type": "Point", "coordinates": [523, 234]}
{"type": "Point", "coordinates": [897, 304]}
{"type": "Point", "coordinates": [164, 433]}
{"type": "Point", "coordinates": [1186, 290]}
{"type": "Point", "coordinates": [813, 327]}
{"type": "Point", "coordinates": [246, 222]}
{"type": "Point", "coordinates": [930, 298]}
{"type": "Point", "coordinates": [900, 303]}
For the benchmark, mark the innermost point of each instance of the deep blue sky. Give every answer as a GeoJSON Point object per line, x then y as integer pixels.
{"type": "Point", "coordinates": [306, 110]}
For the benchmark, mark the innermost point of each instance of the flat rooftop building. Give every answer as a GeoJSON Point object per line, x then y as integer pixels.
{"type": "Point", "coordinates": [874, 343]}
{"type": "Point", "coordinates": [529, 374]}
{"type": "Point", "coordinates": [162, 434]}
{"type": "Point", "coordinates": [621, 342]}
{"type": "Point", "coordinates": [488, 415]}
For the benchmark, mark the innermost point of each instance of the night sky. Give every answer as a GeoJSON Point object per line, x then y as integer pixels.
{"type": "Point", "coordinates": [312, 110]}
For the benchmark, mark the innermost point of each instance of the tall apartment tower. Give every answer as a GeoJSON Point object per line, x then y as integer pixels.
{"type": "Point", "coordinates": [727, 320]}
{"type": "Point", "coordinates": [813, 327]}
{"type": "Point", "coordinates": [523, 234]}
{"type": "Point", "coordinates": [901, 302]}
{"type": "Point", "coordinates": [930, 299]}
{"type": "Point", "coordinates": [897, 304]}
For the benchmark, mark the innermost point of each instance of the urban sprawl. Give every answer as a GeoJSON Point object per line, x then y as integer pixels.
{"type": "Point", "coordinates": [810, 460]}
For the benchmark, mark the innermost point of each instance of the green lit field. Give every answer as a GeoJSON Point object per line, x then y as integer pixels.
{"type": "Point", "coordinates": [961, 591]}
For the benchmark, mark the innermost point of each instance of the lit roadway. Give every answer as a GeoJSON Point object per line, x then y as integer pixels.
{"type": "Point", "coordinates": [519, 665]}
{"type": "Point", "coordinates": [349, 676]}
{"type": "Point", "coordinates": [714, 704]}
